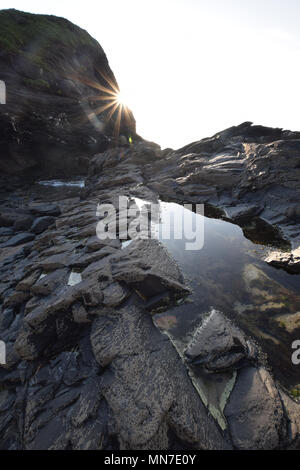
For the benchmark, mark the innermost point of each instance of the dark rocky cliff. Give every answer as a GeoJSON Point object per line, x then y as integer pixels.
{"type": "Point", "coordinates": [87, 366]}
{"type": "Point", "coordinates": [55, 74]}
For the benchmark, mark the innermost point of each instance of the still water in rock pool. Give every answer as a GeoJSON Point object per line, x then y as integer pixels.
{"type": "Point", "coordinates": [228, 274]}
{"type": "Point", "coordinates": [66, 183]}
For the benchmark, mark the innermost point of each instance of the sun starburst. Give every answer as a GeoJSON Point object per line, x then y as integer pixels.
{"type": "Point", "coordinates": [111, 102]}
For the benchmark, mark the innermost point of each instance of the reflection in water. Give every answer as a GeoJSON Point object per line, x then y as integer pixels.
{"type": "Point", "coordinates": [74, 278]}
{"type": "Point", "coordinates": [228, 274]}
{"type": "Point", "coordinates": [59, 183]}
{"type": "Point", "coordinates": [56, 190]}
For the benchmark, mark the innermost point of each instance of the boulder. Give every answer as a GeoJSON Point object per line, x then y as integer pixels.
{"type": "Point", "coordinates": [80, 314]}
{"type": "Point", "coordinates": [290, 261]}
{"type": "Point", "coordinates": [23, 223]}
{"type": "Point", "coordinates": [218, 345]}
{"type": "Point", "coordinates": [147, 266]}
{"type": "Point", "coordinates": [254, 411]}
{"type": "Point", "coordinates": [114, 294]}
{"type": "Point", "coordinates": [145, 398]}
{"type": "Point", "coordinates": [47, 284]}
{"type": "Point", "coordinates": [45, 210]}
{"type": "Point", "coordinates": [41, 224]}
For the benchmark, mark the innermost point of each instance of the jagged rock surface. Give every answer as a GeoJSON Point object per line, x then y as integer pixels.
{"type": "Point", "coordinates": [86, 366]}
{"type": "Point", "coordinates": [218, 345]}
{"type": "Point", "coordinates": [247, 172]}
{"type": "Point", "coordinates": [289, 261]}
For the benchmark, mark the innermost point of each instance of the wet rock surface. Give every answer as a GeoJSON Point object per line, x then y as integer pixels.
{"type": "Point", "coordinates": [78, 352]}
{"type": "Point", "coordinates": [86, 366]}
{"type": "Point", "coordinates": [245, 171]}
{"type": "Point", "coordinates": [254, 411]}
{"type": "Point", "coordinates": [218, 345]}
{"type": "Point", "coordinates": [289, 261]}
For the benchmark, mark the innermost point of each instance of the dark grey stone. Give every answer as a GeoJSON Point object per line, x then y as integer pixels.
{"type": "Point", "coordinates": [19, 239]}
{"type": "Point", "coordinates": [218, 345]}
{"type": "Point", "coordinates": [46, 210]}
{"type": "Point", "coordinates": [254, 411]}
{"type": "Point", "coordinates": [23, 223]}
{"type": "Point", "coordinates": [41, 224]}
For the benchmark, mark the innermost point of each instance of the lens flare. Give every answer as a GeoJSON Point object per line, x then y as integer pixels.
{"type": "Point", "coordinates": [111, 100]}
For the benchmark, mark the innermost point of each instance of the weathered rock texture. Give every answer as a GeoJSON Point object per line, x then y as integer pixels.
{"type": "Point", "coordinates": [54, 74]}
{"type": "Point", "coordinates": [86, 366]}
{"type": "Point", "coordinates": [248, 172]}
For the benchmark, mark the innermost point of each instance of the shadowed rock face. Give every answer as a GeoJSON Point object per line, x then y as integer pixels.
{"type": "Point", "coordinates": [217, 345]}
{"type": "Point", "coordinates": [53, 70]}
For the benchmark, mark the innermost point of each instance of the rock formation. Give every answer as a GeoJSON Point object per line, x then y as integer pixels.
{"type": "Point", "coordinates": [86, 367]}
{"type": "Point", "coordinates": [247, 172]}
{"type": "Point", "coordinates": [55, 74]}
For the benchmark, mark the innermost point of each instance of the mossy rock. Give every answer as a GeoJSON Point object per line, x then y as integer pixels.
{"type": "Point", "coordinates": [19, 29]}
{"type": "Point", "coordinates": [47, 50]}
{"type": "Point", "coordinates": [38, 84]}
{"type": "Point", "coordinates": [295, 392]}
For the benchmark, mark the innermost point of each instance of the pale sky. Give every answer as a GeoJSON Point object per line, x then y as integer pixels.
{"type": "Point", "coordinates": [190, 68]}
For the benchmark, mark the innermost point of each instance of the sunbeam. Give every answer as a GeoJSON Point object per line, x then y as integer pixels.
{"type": "Point", "coordinates": [110, 95]}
